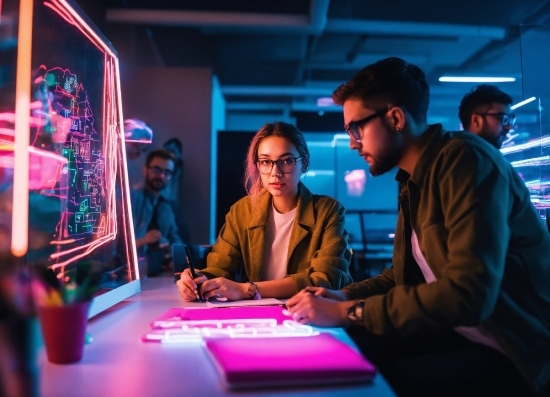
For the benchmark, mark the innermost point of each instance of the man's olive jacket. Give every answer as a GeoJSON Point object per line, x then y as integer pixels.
{"type": "Point", "coordinates": [486, 245]}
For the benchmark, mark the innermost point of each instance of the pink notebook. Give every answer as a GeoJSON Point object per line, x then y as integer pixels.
{"type": "Point", "coordinates": [293, 361]}
{"type": "Point", "coordinates": [226, 313]}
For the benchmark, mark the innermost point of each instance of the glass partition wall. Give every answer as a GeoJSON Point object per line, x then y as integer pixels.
{"type": "Point", "coordinates": [528, 145]}
{"type": "Point", "coordinates": [63, 180]}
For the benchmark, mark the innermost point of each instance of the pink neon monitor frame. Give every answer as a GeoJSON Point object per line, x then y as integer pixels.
{"type": "Point", "coordinates": [70, 13]}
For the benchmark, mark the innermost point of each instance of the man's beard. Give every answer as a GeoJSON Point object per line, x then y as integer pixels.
{"type": "Point", "coordinates": [385, 162]}
{"type": "Point", "coordinates": [497, 141]}
{"type": "Point", "coordinates": [381, 167]}
{"type": "Point", "coordinates": [156, 187]}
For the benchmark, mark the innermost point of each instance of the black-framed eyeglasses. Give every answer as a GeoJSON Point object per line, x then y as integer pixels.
{"type": "Point", "coordinates": [286, 166]}
{"type": "Point", "coordinates": [505, 119]}
{"type": "Point", "coordinates": [158, 171]}
{"type": "Point", "coordinates": [353, 128]}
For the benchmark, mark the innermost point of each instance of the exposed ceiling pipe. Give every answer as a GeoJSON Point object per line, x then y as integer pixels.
{"type": "Point", "coordinates": [206, 18]}
{"type": "Point", "coordinates": [278, 106]}
{"type": "Point", "coordinates": [425, 29]}
{"type": "Point", "coordinates": [315, 23]}
{"type": "Point", "coordinates": [216, 21]}
{"type": "Point", "coordinates": [356, 48]}
{"type": "Point", "coordinates": [318, 10]}
{"type": "Point", "coordinates": [283, 91]}
{"type": "Point", "coordinates": [485, 55]}
{"type": "Point", "coordinates": [325, 90]}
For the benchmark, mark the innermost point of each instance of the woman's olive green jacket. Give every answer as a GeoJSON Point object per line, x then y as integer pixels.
{"type": "Point", "coordinates": [318, 252]}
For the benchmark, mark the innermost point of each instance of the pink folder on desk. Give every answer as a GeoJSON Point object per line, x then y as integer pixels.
{"type": "Point", "coordinates": [292, 361]}
{"type": "Point", "coordinates": [226, 313]}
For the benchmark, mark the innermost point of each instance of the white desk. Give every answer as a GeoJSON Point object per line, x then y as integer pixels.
{"type": "Point", "coordinates": [117, 363]}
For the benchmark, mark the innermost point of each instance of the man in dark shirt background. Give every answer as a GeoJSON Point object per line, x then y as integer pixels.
{"type": "Point", "coordinates": [485, 111]}
{"type": "Point", "coordinates": [154, 220]}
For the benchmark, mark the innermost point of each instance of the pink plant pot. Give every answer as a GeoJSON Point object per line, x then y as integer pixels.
{"type": "Point", "coordinates": [64, 331]}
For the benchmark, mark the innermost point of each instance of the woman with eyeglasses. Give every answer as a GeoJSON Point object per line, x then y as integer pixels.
{"type": "Point", "coordinates": [280, 238]}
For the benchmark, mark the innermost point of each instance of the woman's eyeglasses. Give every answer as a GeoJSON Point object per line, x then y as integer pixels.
{"type": "Point", "coordinates": [286, 166]}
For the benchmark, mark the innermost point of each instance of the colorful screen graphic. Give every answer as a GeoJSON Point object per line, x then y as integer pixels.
{"type": "Point", "coordinates": [78, 197]}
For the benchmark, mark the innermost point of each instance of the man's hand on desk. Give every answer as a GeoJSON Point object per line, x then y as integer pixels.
{"type": "Point", "coordinates": [337, 295]}
{"type": "Point", "coordinates": [308, 308]}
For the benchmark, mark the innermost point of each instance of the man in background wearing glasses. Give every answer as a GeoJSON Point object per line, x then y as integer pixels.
{"type": "Point", "coordinates": [485, 112]}
{"type": "Point", "coordinates": [154, 220]}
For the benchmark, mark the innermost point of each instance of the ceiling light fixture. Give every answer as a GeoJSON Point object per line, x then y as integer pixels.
{"type": "Point", "coordinates": [463, 79]}
{"type": "Point", "coordinates": [528, 100]}
{"type": "Point", "coordinates": [325, 101]}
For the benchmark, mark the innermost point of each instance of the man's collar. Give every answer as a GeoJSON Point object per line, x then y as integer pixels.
{"type": "Point", "coordinates": [434, 143]}
{"type": "Point", "coordinates": [151, 194]}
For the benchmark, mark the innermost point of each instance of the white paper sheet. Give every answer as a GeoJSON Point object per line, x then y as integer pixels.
{"type": "Point", "coordinates": [248, 302]}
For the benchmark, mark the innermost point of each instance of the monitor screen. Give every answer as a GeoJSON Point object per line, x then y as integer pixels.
{"type": "Point", "coordinates": [78, 213]}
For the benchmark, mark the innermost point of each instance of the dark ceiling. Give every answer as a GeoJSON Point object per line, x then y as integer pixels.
{"type": "Point", "coordinates": [281, 56]}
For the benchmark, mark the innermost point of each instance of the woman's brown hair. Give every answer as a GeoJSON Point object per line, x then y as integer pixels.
{"type": "Point", "coordinates": [252, 179]}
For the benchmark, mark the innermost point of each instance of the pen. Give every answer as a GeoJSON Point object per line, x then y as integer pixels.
{"type": "Point", "coordinates": [192, 270]}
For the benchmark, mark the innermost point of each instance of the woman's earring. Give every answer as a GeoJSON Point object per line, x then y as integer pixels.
{"type": "Point", "coordinates": [397, 129]}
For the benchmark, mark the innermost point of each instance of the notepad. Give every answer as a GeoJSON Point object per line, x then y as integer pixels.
{"type": "Point", "coordinates": [248, 302]}
{"type": "Point", "coordinates": [293, 361]}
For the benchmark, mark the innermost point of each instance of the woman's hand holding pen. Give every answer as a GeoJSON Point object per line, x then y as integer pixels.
{"type": "Point", "coordinates": [310, 307]}
{"type": "Point", "coordinates": [188, 287]}
{"type": "Point", "coordinates": [224, 288]}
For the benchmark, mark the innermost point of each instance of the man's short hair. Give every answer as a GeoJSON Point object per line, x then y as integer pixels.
{"type": "Point", "coordinates": [388, 82]}
{"type": "Point", "coordinates": [160, 153]}
{"type": "Point", "coordinates": [481, 95]}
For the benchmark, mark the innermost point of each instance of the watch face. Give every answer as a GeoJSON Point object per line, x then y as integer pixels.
{"type": "Point", "coordinates": [355, 312]}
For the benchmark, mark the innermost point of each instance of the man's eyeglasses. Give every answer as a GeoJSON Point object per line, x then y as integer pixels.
{"type": "Point", "coordinates": [505, 119]}
{"type": "Point", "coordinates": [286, 166]}
{"type": "Point", "coordinates": [353, 128]}
{"type": "Point", "coordinates": [158, 171]}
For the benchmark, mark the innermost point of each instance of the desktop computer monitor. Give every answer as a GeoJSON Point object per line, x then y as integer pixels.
{"type": "Point", "coordinates": [63, 177]}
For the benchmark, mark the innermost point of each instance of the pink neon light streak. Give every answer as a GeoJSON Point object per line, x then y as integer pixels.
{"type": "Point", "coordinates": [66, 11]}
{"type": "Point", "coordinates": [20, 231]}
{"type": "Point", "coordinates": [195, 331]}
{"type": "Point", "coordinates": [112, 134]}
{"type": "Point", "coordinates": [126, 187]}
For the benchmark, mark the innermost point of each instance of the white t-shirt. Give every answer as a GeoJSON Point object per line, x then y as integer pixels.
{"type": "Point", "coordinates": [277, 236]}
{"type": "Point", "coordinates": [476, 334]}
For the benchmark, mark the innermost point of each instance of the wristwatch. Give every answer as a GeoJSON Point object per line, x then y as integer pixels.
{"type": "Point", "coordinates": [355, 312]}
{"type": "Point", "coordinates": [253, 291]}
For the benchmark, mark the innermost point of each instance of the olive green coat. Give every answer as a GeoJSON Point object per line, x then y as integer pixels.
{"type": "Point", "coordinates": [486, 245]}
{"type": "Point", "coordinates": [318, 252]}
